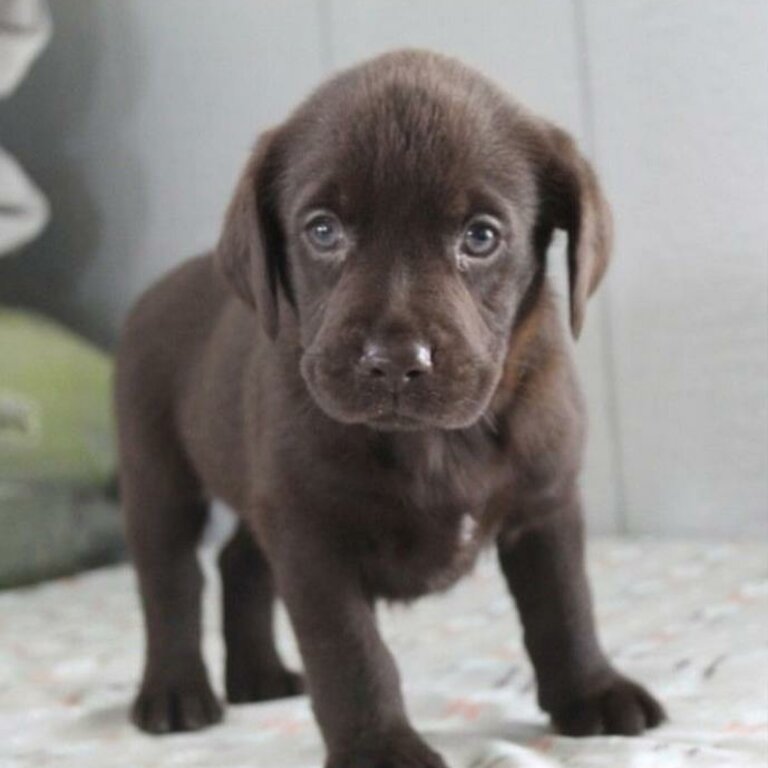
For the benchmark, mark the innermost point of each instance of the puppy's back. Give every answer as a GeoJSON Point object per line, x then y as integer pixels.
{"type": "Point", "coordinates": [161, 339]}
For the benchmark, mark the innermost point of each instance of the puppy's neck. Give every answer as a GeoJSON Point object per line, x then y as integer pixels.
{"type": "Point", "coordinates": [436, 468]}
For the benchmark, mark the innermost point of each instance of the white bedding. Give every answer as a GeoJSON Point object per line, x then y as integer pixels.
{"type": "Point", "coordinates": [689, 619]}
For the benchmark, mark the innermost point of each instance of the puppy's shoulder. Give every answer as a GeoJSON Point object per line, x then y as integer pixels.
{"type": "Point", "coordinates": [180, 301]}
{"type": "Point", "coordinates": [171, 320]}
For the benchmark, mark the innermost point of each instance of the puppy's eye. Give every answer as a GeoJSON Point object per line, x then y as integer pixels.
{"type": "Point", "coordinates": [481, 238]}
{"type": "Point", "coordinates": [324, 232]}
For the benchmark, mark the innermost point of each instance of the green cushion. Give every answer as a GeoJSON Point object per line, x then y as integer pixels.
{"type": "Point", "coordinates": [56, 451]}
{"type": "Point", "coordinates": [55, 412]}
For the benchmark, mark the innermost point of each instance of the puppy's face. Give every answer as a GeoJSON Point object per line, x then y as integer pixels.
{"type": "Point", "coordinates": [400, 208]}
{"type": "Point", "coordinates": [408, 246]}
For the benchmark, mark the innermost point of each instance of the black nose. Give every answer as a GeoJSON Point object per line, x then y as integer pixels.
{"type": "Point", "coordinates": [396, 364]}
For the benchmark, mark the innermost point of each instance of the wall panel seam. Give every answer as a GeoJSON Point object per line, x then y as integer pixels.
{"type": "Point", "coordinates": [586, 96]}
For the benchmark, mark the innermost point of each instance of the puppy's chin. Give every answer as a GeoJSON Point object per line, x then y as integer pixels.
{"type": "Point", "coordinates": [396, 422]}
{"type": "Point", "coordinates": [394, 419]}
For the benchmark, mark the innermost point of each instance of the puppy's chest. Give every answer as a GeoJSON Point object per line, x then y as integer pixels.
{"type": "Point", "coordinates": [427, 523]}
{"type": "Point", "coordinates": [407, 559]}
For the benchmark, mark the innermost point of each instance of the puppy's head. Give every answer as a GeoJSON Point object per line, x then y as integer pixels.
{"type": "Point", "coordinates": [405, 211]}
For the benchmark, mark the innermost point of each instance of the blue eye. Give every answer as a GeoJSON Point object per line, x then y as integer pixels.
{"type": "Point", "coordinates": [324, 232]}
{"type": "Point", "coordinates": [480, 238]}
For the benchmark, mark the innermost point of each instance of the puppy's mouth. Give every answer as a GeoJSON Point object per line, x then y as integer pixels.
{"type": "Point", "coordinates": [393, 419]}
{"type": "Point", "coordinates": [397, 421]}
{"type": "Point", "coordinates": [396, 424]}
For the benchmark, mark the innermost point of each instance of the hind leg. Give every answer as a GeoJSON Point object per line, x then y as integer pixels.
{"type": "Point", "coordinates": [165, 514]}
{"type": "Point", "coordinates": [254, 671]}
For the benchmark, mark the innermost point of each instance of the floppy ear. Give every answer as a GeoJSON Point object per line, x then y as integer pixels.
{"type": "Point", "coordinates": [571, 199]}
{"type": "Point", "coordinates": [250, 252]}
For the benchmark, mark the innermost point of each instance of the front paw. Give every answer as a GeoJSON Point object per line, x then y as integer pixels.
{"type": "Point", "coordinates": [165, 706]}
{"type": "Point", "coordinates": [406, 750]}
{"type": "Point", "coordinates": [622, 708]}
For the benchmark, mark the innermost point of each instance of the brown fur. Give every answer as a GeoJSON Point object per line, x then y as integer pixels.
{"type": "Point", "coordinates": [247, 376]}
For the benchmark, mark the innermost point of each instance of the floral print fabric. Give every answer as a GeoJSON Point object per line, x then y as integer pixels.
{"type": "Point", "coordinates": [689, 619]}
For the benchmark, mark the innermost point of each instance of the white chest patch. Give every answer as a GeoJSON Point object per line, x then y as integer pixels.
{"type": "Point", "coordinates": [467, 530]}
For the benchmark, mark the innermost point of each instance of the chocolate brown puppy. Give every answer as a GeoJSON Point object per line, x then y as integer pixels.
{"type": "Point", "coordinates": [371, 371]}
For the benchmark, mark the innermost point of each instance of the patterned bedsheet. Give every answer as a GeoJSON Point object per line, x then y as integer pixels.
{"type": "Point", "coordinates": [689, 619]}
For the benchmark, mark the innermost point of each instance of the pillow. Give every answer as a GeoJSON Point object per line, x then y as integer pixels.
{"type": "Point", "coordinates": [58, 510]}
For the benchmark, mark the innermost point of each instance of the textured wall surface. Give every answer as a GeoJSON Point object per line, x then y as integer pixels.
{"type": "Point", "coordinates": [138, 118]}
{"type": "Point", "coordinates": [680, 116]}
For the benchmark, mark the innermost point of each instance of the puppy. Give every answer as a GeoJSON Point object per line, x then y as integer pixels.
{"type": "Point", "coordinates": [370, 370]}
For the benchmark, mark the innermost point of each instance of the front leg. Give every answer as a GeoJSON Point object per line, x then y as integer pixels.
{"type": "Point", "coordinates": [352, 678]}
{"type": "Point", "coordinates": [544, 568]}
